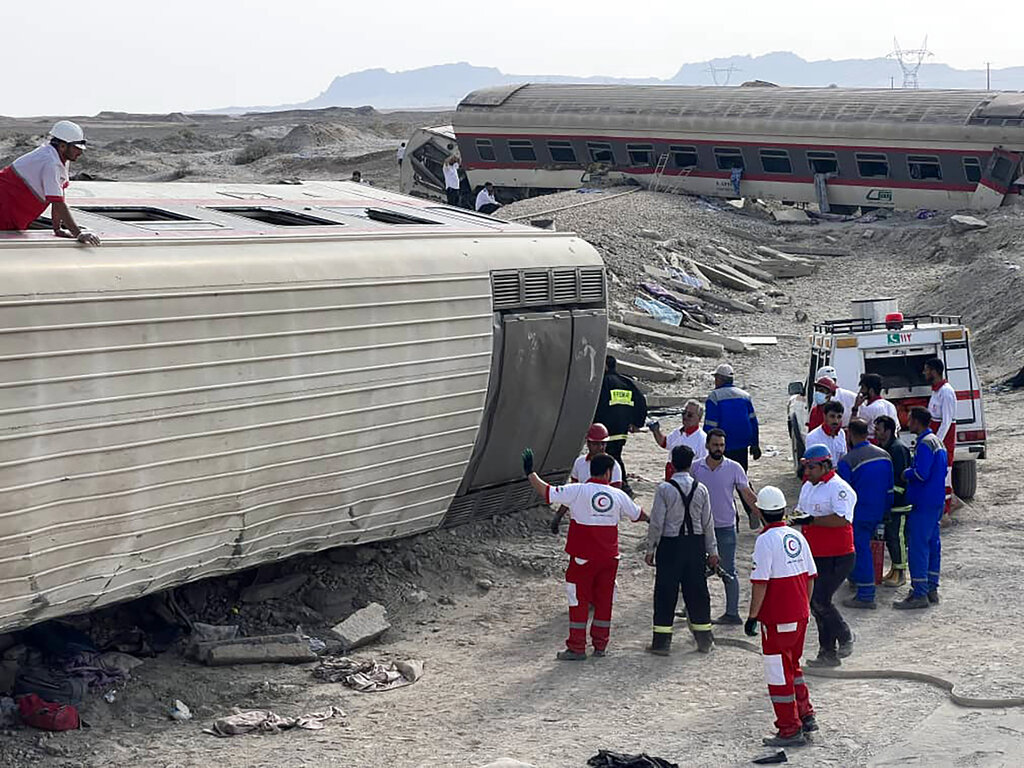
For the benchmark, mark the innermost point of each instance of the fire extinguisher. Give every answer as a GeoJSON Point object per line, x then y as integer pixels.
{"type": "Point", "coordinates": [878, 552]}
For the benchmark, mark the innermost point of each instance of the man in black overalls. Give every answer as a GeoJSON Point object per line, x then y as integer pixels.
{"type": "Point", "coordinates": [681, 540]}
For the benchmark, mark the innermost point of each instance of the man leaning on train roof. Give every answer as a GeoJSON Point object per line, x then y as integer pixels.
{"type": "Point", "coordinates": [38, 179]}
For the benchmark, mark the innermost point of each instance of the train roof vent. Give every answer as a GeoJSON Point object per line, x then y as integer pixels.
{"type": "Point", "coordinates": [278, 217]}
{"type": "Point", "coordinates": [537, 288]}
{"type": "Point", "coordinates": [565, 290]}
{"type": "Point", "coordinates": [134, 213]}
{"type": "Point", "coordinates": [505, 289]}
{"type": "Point", "coordinates": [591, 284]}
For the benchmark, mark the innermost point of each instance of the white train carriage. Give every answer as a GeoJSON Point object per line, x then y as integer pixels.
{"type": "Point", "coordinates": [244, 372]}
{"type": "Point", "coordinates": [842, 148]}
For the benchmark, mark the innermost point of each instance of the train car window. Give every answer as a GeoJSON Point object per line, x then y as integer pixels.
{"type": "Point", "coordinates": [872, 166]}
{"type": "Point", "coordinates": [135, 213]}
{"type": "Point", "coordinates": [924, 167]}
{"type": "Point", "coordinates": [684, 157]}
{"type": "Point", "coordinates": [972, 169]}
{"type": "Point", "coordinates": [522, 150]}
{"type": "Point", "coordinates": [776, 161]}
{"type": "Point", "coordinates": [562, 152]}
{"type": "Point", "coordinates": [277, 217]}
{"type": "Point", "coordinates": [485, 148]}
{"type": "Point", "coordinates": [1001, 169]}
{"type": "Point", "coordinates": [600, 152]}
{"type": "Point", "coordinates": [640, 154]}
{"type": "Point", "coordinates": [727, 158]}
{"type": "Point", "coordinates": [823, 162]}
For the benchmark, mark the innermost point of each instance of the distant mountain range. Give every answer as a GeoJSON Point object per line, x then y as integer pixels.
{"type": "Point", "coordinates": [444, 85]}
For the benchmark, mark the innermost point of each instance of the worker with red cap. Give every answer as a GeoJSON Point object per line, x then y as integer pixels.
{"type": "Point", "coordinates": [37, 180]}
{"type": "Point", "coordinates": [942, 407]}
{"type": "Point", "coordinates": [826, 388]}
{"type": "Point", "coordinates": [597, 439]}
{"type": "Point", "coordinates": [781, 580]}
{"type": "Point", "coordinates": [595, 508]}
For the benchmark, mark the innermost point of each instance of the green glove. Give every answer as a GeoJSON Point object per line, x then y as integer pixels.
{"type": "Point", "coordinates": [527, 461]}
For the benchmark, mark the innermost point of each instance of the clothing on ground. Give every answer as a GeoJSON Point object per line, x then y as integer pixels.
{"type": "Point", "coordinates": [606, 759]}
{"type": "Point", "coordinates": [729, 408]}
{"type": "Point", "coordinates": [368, 675]}
{"type": "Point", "coordinates": [266, 721]}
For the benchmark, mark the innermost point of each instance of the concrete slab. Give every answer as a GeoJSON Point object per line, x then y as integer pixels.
{"type": "Point", "coordinates": [266, 649]}
{"type": "Point", "coordinates": [362, 627]}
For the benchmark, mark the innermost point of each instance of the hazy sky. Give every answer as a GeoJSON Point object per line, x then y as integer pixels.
{"type": "Point", "coordinates": [84, 56]}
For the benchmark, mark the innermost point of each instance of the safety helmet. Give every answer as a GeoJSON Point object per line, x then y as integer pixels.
{"type": "Point", "coordinates": [598, 433]}
{"type": "Point", "coordinates": [67, 131]}
{"type": "Point", "coordinates": [826, 382]}
{"type": "Point", "coordinates": [771, 499]}
{"type": "Point", "coordinates": [827, 370]}
{"type": "Point", "coordinates": [817, 454]}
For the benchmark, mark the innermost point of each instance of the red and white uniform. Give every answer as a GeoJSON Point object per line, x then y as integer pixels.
{"type": "Point", "coordinates": [784, 564]}
{"type": "Point", "coordinates": [595, 509]}
{"type": "Point", "coordinates": [696, 438]}
{"type": "Point", "coordinates": [831, 496]}
{"type": "Point", "coordinates": [29, 185]}
{"type": "Point", "coordinates": [942, 407]}
{"type": "Point", "coordinates": [581, 471]}
{"type": "Point", "coordinates": [872, 409]}
{"type": "Point", "coordinates": [836, 443]}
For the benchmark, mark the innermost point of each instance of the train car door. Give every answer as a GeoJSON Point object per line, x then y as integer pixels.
{"type": "Point", "coordinates": [996, 180]}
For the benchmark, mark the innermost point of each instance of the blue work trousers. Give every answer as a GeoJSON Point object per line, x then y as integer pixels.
{"type": "Point", "coordinates": [863, 574]}
{"type": "Point", "coordinates": [726, 538]}
{"type": "Point", "coordinates": [924, 548]}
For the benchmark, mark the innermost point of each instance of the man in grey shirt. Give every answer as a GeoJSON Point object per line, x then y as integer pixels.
{"type": "Point", "coordinates": [680, 541]}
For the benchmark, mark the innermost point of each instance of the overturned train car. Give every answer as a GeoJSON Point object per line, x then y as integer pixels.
{"type": "Point", "coordinates": [841, 148]}
{"type": "Point", "coordinates": [243, 373]}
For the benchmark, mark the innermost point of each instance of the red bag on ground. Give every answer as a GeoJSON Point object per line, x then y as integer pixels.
{"type": "Point", "coordinates": [46, 715]}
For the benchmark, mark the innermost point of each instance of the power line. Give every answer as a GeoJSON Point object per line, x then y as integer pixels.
{"type": "Point", "coordinates": [726, 71]}
{"type": "Point", "coordinates": [910, 61]}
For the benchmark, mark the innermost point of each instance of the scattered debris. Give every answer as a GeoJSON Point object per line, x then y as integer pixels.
{"type": "Point", "coordinates": [370, 675]}
{"type": "Point", "coordinates": [606, 759]}
{"type": "Point", "coordinates": [178, 711]}
{"type": "Point", "coordinates": [46, 715]}
{"type": "Point", "coordinates": [791, 216]}
{"type": "Point", "coordinates": [651, 234]}
{"type": "Point", "coordinates": [689, 346]}
{"type": "Point", "coordinates": [759, 341]}
{"type": "Point", "coordinates": [211, 632]}
{"type": "Point", "coordinates": [485, 584]}
{"type": "Point", "coordinates": [963, 223]}
{"type": "Point", "coordinates": [801, 316]}
{"type": "Point", "coordinates": [728, 277]}
{"type": "Point", "coordinates": [659, 310]}
{"type": "Point", "coordinates": [362, 627]}
{"type": "Point", "coordinates": [287, 648]}
{"type": "Point", "coordinates": [265, 721]}
{"type": "Point", "coordinates": [274, 590]}
{"type": "Point", "coordinates": [640, 321]}
{"type": "Point", "coordinates": [648, 373]}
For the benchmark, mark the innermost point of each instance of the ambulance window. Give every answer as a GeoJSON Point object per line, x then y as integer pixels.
{"type": "Point", "coordinates": [972, 169]}
{"type": "Point", "coordinates": [899, 371]}
{"type": "Point", "coordinates": [872, 166]}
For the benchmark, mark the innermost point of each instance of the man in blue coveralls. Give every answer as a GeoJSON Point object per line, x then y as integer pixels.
{"type": "Point", "coordinates": [868, 469]}
{"type": "Point", "coordinates": [926, 493]}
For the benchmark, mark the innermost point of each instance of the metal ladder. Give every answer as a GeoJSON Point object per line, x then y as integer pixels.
{"type": "Point", "coordinates": [659, 173]}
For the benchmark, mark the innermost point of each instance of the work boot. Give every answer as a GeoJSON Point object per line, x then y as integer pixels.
{"type": "Point", "coordinates": [854, 602]}
{"type": "Point", "coordinates": [600, 653]}
{"type": "Point", "coordinates": [897, 577]}
{"type": "Point", "coordinates": [705, 641]}
{"type": "Point", "coordinates": [808, 724]}
{"type": "Point", "coordinates": [727, 619]}
{"type": "Point", "coordinates": [568, 655]}
{"type": "Point", "coordinates": [824, 659]}
{"type": "Point", "coordinates": [778, 740]}
{"type": "Point", "coordinates": [933, 597]}
{"type": "Point", "coordinates": [845, 649]}
{"type": "Point", "coordinates": [911, 602]}
{"type": "Point", "coordinates": [661, 644]}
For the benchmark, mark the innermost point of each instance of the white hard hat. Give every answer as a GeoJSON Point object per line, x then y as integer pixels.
{"type": "Point", "coordinates": [725, 371]}
{"type": "Point", "coordinates": [828, 372]}
{"type": "Point", "coordinates": [67, 131]}
{"type": "Point", "coordinates": [771, 499]}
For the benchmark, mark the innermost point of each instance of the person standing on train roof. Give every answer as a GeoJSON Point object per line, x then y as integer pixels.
{"type": "Point", "coordinates": [38, 179]}
{"type": "Point", "coordinates": [942, 407]}
{"type": "Point", "coordinates": [870, 404]}
{"type": "Point", "coordinates": [597, 439]}
{"type": "Point", "coordinates": [595, 508]}
{"type": "Point", "coordinates": [689, 433]}
{"type": "Point", "coordinates": [452, 183]}
{"type": "Point", "coordinates": [830, 434]}
{"type": "Point", "coordinates": [622, 408]}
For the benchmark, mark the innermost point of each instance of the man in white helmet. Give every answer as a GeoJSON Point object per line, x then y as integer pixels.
{"type": "Point", "coordinates": [38, 179]}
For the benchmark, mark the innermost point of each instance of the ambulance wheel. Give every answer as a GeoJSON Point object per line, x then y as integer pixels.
{"type": "Point", "coordinates": [965, 479]}
{"type": "Point", "coordinates": [798, 452]}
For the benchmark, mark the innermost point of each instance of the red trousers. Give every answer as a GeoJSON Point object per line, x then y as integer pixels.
{"type": "Point", "coordinates": [950, 443]}
{"type": "Point", "coordinates": [786, 688]}
{"type": "Point", "coordinates": [592, 583]}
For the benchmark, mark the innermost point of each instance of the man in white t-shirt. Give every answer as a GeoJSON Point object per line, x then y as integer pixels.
{"type": "Point", "coordinates": [870, 404]}
{"type": "Point", "coordinates": [597, 440]}
{"type": "Point", "coordinates": [452, 183]}
{"type": "Point", "coordinates": [400, 154]}
{"type": "Point", "coordinates": [37, 180]}
{"type": "Point", "coordinates": [486, 202]}
{"type": "Point", "coordinates": [830, 434]}
{"type": "Point", "coordinates": [689, 434]}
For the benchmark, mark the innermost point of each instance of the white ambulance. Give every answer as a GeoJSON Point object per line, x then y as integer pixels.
{"type": "Point", "coordinates": [897, 350]}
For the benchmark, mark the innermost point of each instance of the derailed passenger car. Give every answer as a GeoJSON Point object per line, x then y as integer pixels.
{"type": "Point", "coordinates": [242, 373]}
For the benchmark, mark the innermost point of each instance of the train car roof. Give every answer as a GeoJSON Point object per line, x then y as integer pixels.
{"type": "Point", "coordinates": [761, 103]}
{"type": "Point", "coordinates": [213, 210]}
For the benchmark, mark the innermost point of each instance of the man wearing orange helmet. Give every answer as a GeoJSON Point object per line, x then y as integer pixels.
{"type": "Point", "coordinates": [597, 439]}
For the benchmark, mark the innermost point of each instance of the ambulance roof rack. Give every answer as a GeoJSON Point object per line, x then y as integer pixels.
{"type": "Point", "coordinates": [863, 324]}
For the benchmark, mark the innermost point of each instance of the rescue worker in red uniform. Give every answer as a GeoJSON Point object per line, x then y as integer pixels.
{"type": "Point", "coordinates": [595, 508]}
{"type": "Point", "coordinates": [942, 407]}
{"type": "Point", "coordinates": [37, 180]}
{"type": "Point", "coordinates": [782, 580]}
{"type": "Point", "coordinates": [597, 439]}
